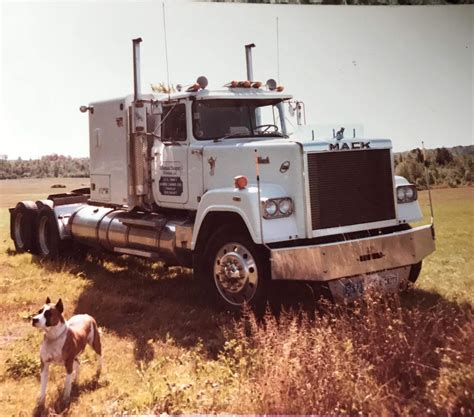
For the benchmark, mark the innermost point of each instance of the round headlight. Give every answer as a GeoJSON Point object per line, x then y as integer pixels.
{"type": "Point", "coordinates": [285, 206]}
{"type": "Point", "coordinates": [271, 208]}
{"type": "Point", "coordinates": [401, 193]}
{"type": "Point", "coordinates": [409, 193]}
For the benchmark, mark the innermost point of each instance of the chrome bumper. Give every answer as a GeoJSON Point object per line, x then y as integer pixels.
{"type": "Point", "coordinates": [354, 257]}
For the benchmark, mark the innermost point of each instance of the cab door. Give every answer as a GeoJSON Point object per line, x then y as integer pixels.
{"type": "Point", "coordinates": [170, 167]}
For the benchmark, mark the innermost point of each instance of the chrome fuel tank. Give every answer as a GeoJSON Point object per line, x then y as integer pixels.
{"type": "Point", "coordinates": [118, 230]}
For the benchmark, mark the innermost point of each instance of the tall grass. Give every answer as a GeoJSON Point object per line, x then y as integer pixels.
{"type": "Point", "coordinates": [379, 358]}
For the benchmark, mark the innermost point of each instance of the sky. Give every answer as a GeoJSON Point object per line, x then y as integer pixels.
{"type": "Point", "coordinates": [404, 73]}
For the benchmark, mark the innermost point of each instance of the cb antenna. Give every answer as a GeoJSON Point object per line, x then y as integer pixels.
{"type": "Point", "coordinates": [166, 50]}
{"type": "Point", "coordinates": [278, 51]}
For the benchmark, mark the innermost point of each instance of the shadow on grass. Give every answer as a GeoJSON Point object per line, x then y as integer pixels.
{"type": "Point", "coordinates": [59, 406]}
{"type": "Point", "coordinates": [146, 301]}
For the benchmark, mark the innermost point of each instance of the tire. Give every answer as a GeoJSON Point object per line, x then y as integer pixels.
{"type": "Point", "coordinates": [415, 272]}
{"type": "Point", "coordinates": [23, 226]}
{"type": "Point", "coordinates": [48, 240]}
{"type": "Point", "coordinates": [233, 270]}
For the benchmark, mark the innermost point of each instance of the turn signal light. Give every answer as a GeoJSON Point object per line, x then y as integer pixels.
{"type": "Point", "coordinates": [240, 182]}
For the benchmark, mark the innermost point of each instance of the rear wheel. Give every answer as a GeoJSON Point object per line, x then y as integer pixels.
{"type": "Point", "coordinates": [48, 240]}
{"type": "Point", "coordinates": [23, 226]}
{"type": "Point", "coordinates": [234, 269]}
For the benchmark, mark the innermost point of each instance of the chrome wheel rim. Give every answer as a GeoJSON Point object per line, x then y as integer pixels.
{"type": "Point", "coordinates": [235, 273]}
{"type": "Point", "coordinates": [18, 230]}
{"type": "Point", "coordinates": [43, 235]}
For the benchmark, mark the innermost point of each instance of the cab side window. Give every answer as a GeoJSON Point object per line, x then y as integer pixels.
{"type": "Point", "coordinates": [173, 128]}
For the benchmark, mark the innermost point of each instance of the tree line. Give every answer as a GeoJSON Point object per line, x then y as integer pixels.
{"type": "Point", "coordinates": [442, 167]}
{"type": "Point", "coordinates": [445, 167]}
{"type": "Point", "coordinates": [47, 166]}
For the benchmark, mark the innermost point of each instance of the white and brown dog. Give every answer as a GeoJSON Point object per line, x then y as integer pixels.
{"type": "Point", "coordinates": [63, 342]}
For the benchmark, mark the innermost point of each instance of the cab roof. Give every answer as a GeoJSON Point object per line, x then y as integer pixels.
{"type": "Point", "coordinates": [228, 93]}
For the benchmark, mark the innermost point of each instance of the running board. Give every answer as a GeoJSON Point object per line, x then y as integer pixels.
{"type": "Point", "coordinates": [136, 252]}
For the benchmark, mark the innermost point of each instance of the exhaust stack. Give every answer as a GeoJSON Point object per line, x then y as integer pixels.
{"type": "Point", "coordinates": [248, 59]}
{"type": "Point", "coordinates": [137, 95]}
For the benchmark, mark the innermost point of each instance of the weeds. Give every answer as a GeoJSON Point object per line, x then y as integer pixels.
{"type": "Point", "coordinates": [374, 359]}
{"type": "Point", "coordinates": [21, 366]}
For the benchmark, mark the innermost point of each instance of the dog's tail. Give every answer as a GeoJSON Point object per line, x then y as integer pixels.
{"type": "Point", "coordinates": [96, 345]}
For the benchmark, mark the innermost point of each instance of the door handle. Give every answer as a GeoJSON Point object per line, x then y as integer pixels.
{"type": "Point", "coordinates": [196, 151]}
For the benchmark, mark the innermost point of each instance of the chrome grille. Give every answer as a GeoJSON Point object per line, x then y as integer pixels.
{"type": "Point", "coordinates": [350, 187]}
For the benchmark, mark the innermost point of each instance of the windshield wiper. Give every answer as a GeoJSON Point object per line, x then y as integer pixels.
{"type": "Point", "coordinates": [232, 135]}
{"type": "Point", "coordinates": [263, 134]}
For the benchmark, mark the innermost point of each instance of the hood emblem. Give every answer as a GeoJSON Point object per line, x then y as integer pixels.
{"type": "Point", "coordinates": [285, 166]}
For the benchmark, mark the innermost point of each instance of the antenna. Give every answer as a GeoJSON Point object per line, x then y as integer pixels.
{"type": "Point", "coordinates": [278, 52]}
{"type": "Point", "coordinates": [166, 50]}
{"type": "Point", "coordinates": [429, 188]}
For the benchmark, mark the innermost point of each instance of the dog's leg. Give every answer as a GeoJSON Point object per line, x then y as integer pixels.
{"type": "Point", "coordinates": [68, 382]}
{"type": "Point", "coordinates": [94, 341]}
{"type": "Point", "coordinates": [77, 365]}
{"type": "Point", "coordinates": [99, 366]}
{"type": "Point", "coordinates": [44, 381]}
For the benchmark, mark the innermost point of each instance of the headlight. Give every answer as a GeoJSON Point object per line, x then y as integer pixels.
{"type": "Point", "coordinates": [406, 194]}
{"type": "Point", "coordinates": [285, 206]}
{"type": "Point", "coordinates": [275, 208]}
{"type": "Point", "coordinates": [270, 208]}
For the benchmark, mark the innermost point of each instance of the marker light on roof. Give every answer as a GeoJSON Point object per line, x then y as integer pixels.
{"type": "Point", "coordinates": [243, 84]}
{"type": "Point", "coordinates": [194, 87]}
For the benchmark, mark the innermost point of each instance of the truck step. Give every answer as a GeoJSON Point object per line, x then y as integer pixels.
{"type": "Point", "coordinates": [158, 223]}
{"type": "Point", "coordinates": [137, 252]}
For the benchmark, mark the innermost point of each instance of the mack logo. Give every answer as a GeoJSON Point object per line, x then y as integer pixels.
{"type": "Point", "coordinates": [347, 146]}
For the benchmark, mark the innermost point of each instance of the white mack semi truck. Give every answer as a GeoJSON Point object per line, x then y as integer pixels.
{"type": "Point", "coordinates": [212, 179]}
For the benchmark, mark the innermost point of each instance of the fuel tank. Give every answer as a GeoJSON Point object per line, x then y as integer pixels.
{"type": "Point", "coordinates": [144, 234]}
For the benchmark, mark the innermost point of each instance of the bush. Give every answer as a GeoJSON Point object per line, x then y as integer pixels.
{"type": "Point", "coordinates": [21, 366]}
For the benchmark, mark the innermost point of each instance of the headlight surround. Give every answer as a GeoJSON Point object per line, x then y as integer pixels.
{"type": "Point", "coordinates": [406, 194]}
{"type": "Point", "coordinates": [274, 208]}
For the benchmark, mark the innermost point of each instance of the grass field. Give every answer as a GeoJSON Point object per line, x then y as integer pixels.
{"type": "Point", "coordinates": [165, 350]}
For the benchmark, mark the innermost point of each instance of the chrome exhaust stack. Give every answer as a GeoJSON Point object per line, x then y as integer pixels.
{"type": "Point", "coordinates": [139, 144]}
{"type": "Point", "coordinates": [137, 95]}
{"type": "Point", "coordinates": [248, 60]}
{"type": "Point", "coordinates": [249, 64]}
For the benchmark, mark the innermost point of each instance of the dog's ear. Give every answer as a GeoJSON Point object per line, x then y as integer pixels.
{"type": "Point", "coordinates": [48, 300]}
{"type": "Point", "coordinates": [59, 306]}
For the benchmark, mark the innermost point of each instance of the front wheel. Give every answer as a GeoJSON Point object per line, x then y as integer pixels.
{"type": "Point", "coordinates": [235, 269]}
{"type": "Point", "coordinates": [415, 272]}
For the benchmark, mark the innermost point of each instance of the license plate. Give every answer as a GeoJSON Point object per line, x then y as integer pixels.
{"type": "Point", "coordinates": [379, 283]}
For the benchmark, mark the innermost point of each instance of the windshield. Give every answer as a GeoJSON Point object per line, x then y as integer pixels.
{"type": "Point", "coordinates": [226, 118]}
